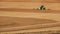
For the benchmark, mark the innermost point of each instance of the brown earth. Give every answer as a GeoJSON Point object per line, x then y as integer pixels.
{"type": "Point", "coordinates": [29, 20]}
{"type": "Point", "coordinates": [16, 21]}
{"type": "Point", "coordinates": [48, 1]}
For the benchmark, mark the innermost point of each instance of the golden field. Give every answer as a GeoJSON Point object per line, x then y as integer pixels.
{"type": "Point", "coordinates": [21, 16]}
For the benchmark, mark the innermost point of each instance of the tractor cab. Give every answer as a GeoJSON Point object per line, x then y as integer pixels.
{"type": "Point", "coordinates": [42, 7]}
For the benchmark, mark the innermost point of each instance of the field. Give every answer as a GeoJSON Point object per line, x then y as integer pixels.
{"type": "Point", "coordinates": [24, 17]}
{"type": "Point", "coordinates": [28, 20]}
